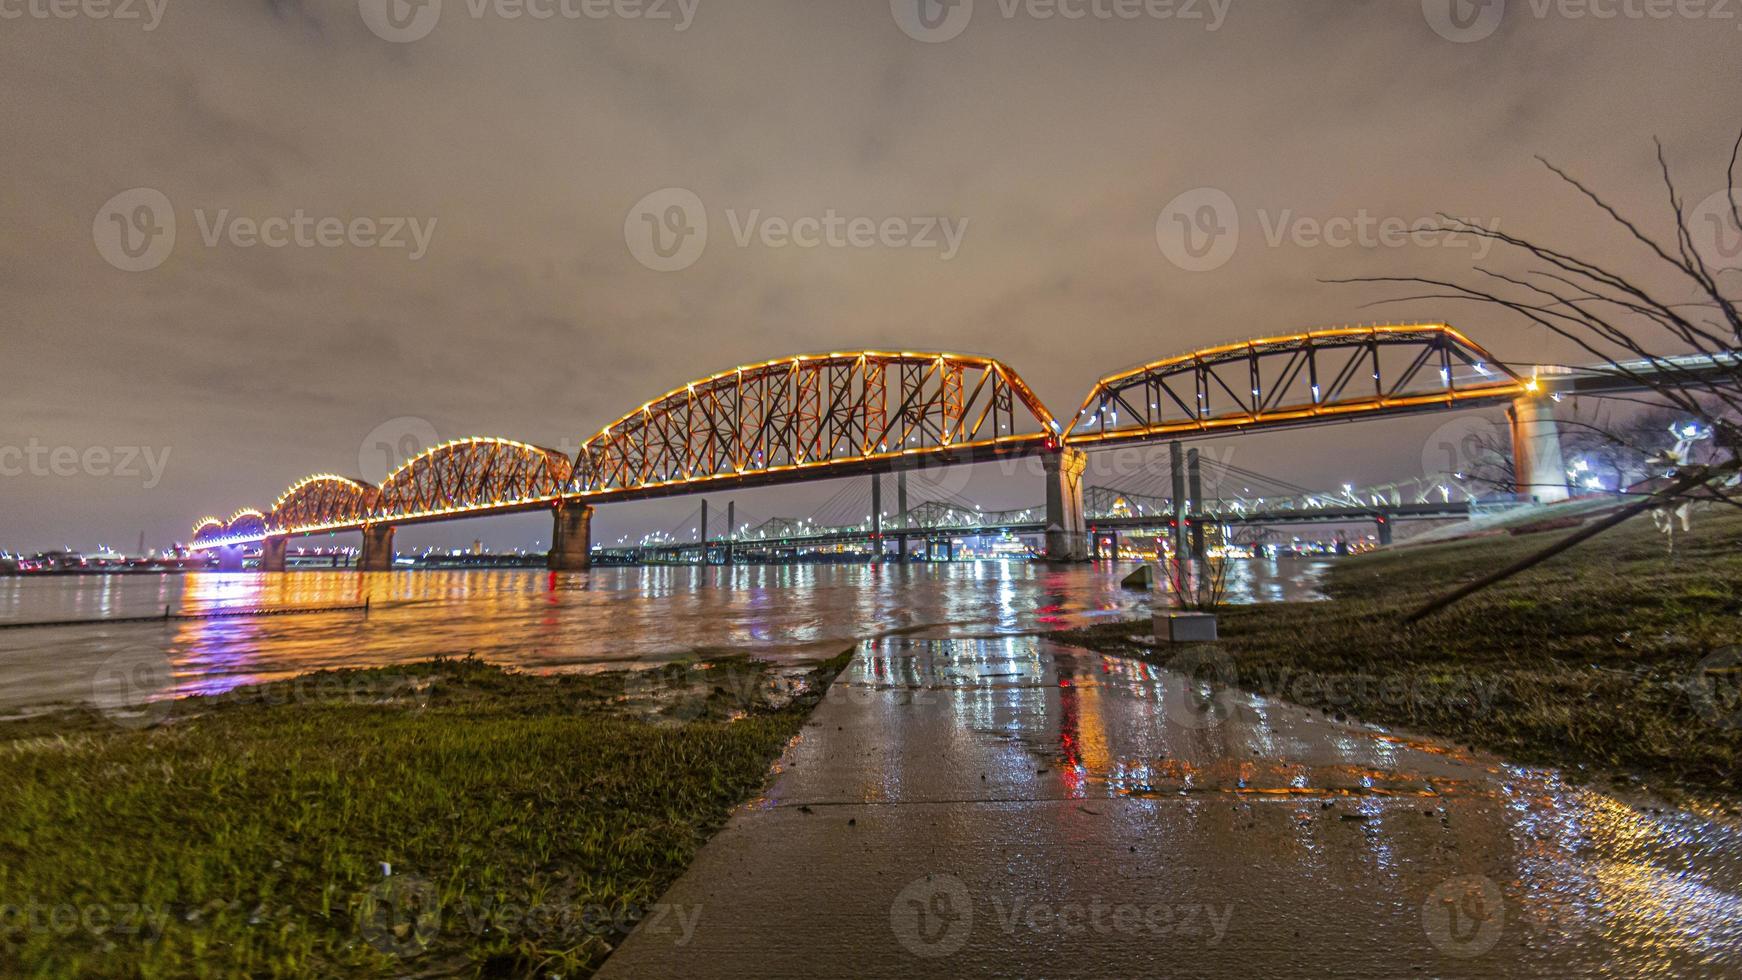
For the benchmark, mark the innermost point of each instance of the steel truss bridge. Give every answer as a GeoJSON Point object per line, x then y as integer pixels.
{"type": "Point", "coordinates": [829, 416]}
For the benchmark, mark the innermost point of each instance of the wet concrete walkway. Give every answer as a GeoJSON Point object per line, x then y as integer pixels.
{"type": "Point", "coordinates": [1013, 808]}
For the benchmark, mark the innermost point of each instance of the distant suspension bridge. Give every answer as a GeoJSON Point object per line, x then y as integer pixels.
{"type": "Point", "coordinates": [855, 514]}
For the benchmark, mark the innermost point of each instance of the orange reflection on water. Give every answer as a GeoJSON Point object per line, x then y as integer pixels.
{"type": "Point", "coordinates": [1589, 880]}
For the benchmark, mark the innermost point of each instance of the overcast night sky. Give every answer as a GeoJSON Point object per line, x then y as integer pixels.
{"type": "Point", "coordinates": [518, 148]}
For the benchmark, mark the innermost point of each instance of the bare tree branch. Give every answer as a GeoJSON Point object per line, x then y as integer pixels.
{"type": "Point", "coordinates": [1680, 340]}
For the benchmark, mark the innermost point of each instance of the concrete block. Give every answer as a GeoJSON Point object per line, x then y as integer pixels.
{"type": "Point", "coordinates": [1143, 579]}
{"type": "Point", "coordinates": [1175, 626]}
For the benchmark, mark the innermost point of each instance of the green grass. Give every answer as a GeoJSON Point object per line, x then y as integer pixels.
{"type": "Point", "coordinates": [527, 821]}
{"type": "Point", "coordinates": [1595, 660]}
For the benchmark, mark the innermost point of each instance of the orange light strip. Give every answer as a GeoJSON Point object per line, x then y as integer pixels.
{"type": "Point", "coordinates": [474, 441]}
{"type": "Point", "coordinates": [458, 513]}
{"type": "Point", "coordinates": [319, 478]}
{"type": "Point", "coordinates": [227, 541]}
{"type": "Point", "coordinates": [1035, 437]}
{"type": "Point", "coordinates": [971, 360]}
{"type": "Point", "coordinates": [1328, 333]}
{"type": "Point", "coordinates": [1508, 390]}
{"type": "Point", "coordinates": [990, 365]}
{"type": "Point", "coordinates": [1294, 338]}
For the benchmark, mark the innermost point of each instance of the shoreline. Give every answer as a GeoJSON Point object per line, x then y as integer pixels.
{"type": "Point", "coordinates": [1611, 662]}
{"type": "Point", "coordinates": [355, 801]}
{"type": "Point", "coordinates": [478, 819]}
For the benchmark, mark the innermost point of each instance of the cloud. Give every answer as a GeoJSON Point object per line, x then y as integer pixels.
{"type": "Point", "coordinates": [530, 140]}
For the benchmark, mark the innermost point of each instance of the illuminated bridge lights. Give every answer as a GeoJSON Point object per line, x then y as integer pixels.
{"type": "Point", "coordinates": [831, 415]}
{"type": "Point", "coordinates": [813, 413]}
{"type": "Point", "coordinates": [323, 501]}
{"type": "Point", "coordinates": [1295, 379]}
{"type": "Point", "coordinates": [246, 526]}
{"type": "Point", "coordinates": [456, 479]}
{"type": "Point", "coordinates": [477, 475]}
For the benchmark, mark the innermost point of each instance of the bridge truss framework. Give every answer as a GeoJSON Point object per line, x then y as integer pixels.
{"type": "Point", "coordinates": [843, 414]}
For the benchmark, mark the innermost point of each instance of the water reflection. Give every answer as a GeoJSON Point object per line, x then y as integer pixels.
{"type": "Point", "coordinates": [1278, 800]}
{"type": "Point", "coordinates": [541, 620]}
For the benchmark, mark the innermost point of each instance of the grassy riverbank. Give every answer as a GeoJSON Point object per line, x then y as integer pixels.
{"type": "Point", "coordinates": [445, 818]}
{"type": "Point", "coordinates": [1608, 658]}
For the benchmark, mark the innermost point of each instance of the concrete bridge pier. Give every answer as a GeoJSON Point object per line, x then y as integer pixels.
{"type": "Point", "coordinates": [571, 542]}
{"type": "Point", "coordinates": [935, 546]}
{"type": "Point", "coordinates": [377, 553]}
{"type": "Point", "coordinates": [1384, 524]}
{"type": "Point", "coordinates": [1536, 450]}
{"type": "Point", "coordinates": [272, 554]}
{"type": "Point", "coordinates": [230, 558]}
{"type": "Point", "coordinates": [1067, 532]}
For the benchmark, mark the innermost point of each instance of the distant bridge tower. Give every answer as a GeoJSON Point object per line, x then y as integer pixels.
{"type": "Point", "coordinates": [1540, 471]}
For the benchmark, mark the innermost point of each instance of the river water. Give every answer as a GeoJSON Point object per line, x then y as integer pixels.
{"type": "Point", "coordinates": [1009, 806]}
{"type": "Point", "coordinates": [610, 617]}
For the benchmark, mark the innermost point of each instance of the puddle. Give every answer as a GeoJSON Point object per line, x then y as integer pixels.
{"type": "Point", "coordinates": [1231, 778]}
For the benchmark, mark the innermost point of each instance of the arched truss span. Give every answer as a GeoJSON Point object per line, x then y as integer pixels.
{"type": "Point", "coordinates": [473, 475]}
{"type": "Point", "coordinates": [321, 502]}
{"type": "Point", "coordinates": [245, 526]}
{"type": "Point", "coordinates": [842, 412]}
{"type": "Point", "coordinates": [246, 523]}
{"type": "Point", "coordinates": [208, 529]}
{"type": "Point", "coordinates": [1293, 380]}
